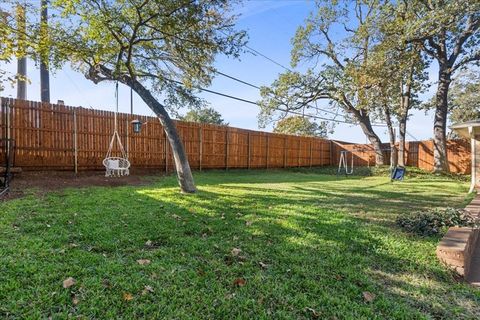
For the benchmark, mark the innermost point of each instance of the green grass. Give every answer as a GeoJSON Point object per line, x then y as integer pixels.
{"type": "Point", "coordinates": [324, 240]}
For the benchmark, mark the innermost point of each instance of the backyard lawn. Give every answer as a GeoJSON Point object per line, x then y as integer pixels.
{"type": "Point", "coordinates": [250, 244]}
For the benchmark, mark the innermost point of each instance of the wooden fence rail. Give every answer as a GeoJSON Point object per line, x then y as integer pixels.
{"type": "Point", "coordinates": [58, 137]}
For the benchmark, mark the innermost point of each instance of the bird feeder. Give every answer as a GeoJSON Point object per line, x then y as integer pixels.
{"type": "Point", "coordinates": [136, 126]}
{"type": "Point", "coordinates": [471, 130]}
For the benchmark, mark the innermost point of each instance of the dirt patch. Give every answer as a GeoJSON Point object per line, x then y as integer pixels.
{"type": "Point", "coordinates": [45, 181]}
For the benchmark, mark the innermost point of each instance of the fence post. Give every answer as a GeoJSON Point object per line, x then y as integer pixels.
{"type": "Point", "coordinates": [75, 143]}
{"type": "Point", "coordinates": [166, 153]}
{"type": "Point", "coordinates": [127, 145]}
{"type": "Point", "coordinates": [331, 153]}
{"type": "Point", "coordinates": [284, 152]}
{"type": "Point", "coordinates": [298, 155]}
{"type": "Point", "coordinates": [249, 151]}
{"type": "Point", "coordinates": [226, 148]}
{"type": "Point", "coordinates": [321, 153]}
{"type": "Point", "coordinates": [200, 135]}
{"type": "Point", "coordinates": [268, 149]}
{"type": "Point", "coordinates": [311, 155]}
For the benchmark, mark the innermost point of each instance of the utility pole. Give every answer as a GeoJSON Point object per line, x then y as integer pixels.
{"type": "Point", "coordinates": [22, 54]}
{"type": "Point", "coordinates": [44, 56]}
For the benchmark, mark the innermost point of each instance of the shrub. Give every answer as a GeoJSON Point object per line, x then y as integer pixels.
{"type": "Point", "coordinates": [427, 223]}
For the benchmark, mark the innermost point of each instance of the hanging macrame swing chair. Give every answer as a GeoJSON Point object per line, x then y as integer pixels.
{"type": "Point", "coordinates": [116, 166]}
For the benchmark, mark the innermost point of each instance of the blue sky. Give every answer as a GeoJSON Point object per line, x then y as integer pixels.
{"type": "Point", "coordinates": [270, 26]}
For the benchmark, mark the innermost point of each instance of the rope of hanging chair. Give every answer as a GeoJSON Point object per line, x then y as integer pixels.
{"type": "Point", "coordinates": [116, 166]}
{"type": "Point", "coordinates": [115, 130]}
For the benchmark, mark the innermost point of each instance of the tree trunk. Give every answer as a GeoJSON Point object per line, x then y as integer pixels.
{"type": "Point", "coordinates": [367, 129]}
{"type": "Point", "coordinates": [405, 105]}
{"type": "Point", "coordinates": [402, 130]}
{"type": "Point", "coordinates": [44, 73]}
{"type": "Point", "coordinates": [440, 162]}
{"type": "Point", "coordinates": [100, 73]}
{"type": "Point", "coordinates": [391, 134]}
{"type": "Point", "coordinates": [184, 173]}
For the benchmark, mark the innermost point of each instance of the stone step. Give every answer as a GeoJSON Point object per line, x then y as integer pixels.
{"type": "Point", "coordinates": [473, 276]}
{"type": "Point", "coordinates": [456, 248]}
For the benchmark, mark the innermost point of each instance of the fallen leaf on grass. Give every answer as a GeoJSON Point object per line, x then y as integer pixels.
{"type": "Point", "coordinates": [314, 313]}
{"type": "Point", "coordinates": [127, 296]}
{"type": "Point", "coordinates": [143, 262]}
{"type": "Point", "coordinates": [67, 283]}
{"type": "Point", "coordinates": [368, 296]}
{"type": "Point", "coordinates": [230, 296]}
{"type": "Point", "coordinates": [239, 282]}
{"type": "Point", "coordinates": [236, 251]}
{"type": "Point", "coordinates": [75, 300]}
{"type": "Point", "coordinates": [106, 283]}
{"type": "Point", "coordinates": [147, 289]}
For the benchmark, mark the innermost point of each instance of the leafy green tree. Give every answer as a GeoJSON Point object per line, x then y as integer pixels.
{"type": "Point", "coordinates": [301, 126]}
{"type": "Point", "coordinates": [337, 70]}
{"type": "Point", "coordinates": [205, 115]}
{"type": "Point", "coordinates": [395, 75]}
{"type": "Point", "coordinates": [449, 33]}
{"type": "Point", "coordinates": [162, 49]}
{"type": "Point", "coordinates": [464, 97]}
{"type": "Point", "coordinates": [8, 46]}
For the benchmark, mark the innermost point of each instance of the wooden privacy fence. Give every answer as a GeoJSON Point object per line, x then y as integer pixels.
{"type": "Point", "coordinates": [58, 137]}
{"type": "Point", "coordinates": [417, 154]}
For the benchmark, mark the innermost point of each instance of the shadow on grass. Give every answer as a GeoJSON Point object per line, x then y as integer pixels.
{"type": "Point", "coordinates": [303, 245]}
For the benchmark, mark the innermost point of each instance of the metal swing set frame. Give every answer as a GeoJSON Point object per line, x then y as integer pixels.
{"type": "Point", "coordinates": [343, 163]}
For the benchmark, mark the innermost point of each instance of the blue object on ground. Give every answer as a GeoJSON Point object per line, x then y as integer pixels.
{"type": "Point", "coordinates": [398, 173]}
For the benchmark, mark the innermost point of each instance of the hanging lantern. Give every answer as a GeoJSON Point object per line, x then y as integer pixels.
{"type": "Point", "coordinates": [136, 126]}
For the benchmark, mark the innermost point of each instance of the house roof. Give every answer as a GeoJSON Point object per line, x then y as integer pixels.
{"type": "Point", "coordinates": [463, 127]}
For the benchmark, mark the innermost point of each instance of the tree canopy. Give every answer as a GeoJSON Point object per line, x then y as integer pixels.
{"type": "Point", "coordinates": [337, 64]}
{"type": "Point", "coordinates": [204, 115]}
{"type": "Point", "coordinates": [162, 49]}
{"type": "Point", "coordinates": [301, 126]}
{"type": "Point", "coordinates": [449, 33]}
{"type": "Point", "coordinates": [464, 97]}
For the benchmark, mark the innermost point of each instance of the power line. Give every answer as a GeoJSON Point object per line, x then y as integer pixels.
{"type": "Point", "coordinates": [256, 52]}
{"type": "Point", "coordinates": [236, 79]}
{"type": "Point", "coordinates": [307, 105]}
{"type": "Point", "coordinates": [257, 104]}
{"type": "Point", "coordinates": [257, 87]}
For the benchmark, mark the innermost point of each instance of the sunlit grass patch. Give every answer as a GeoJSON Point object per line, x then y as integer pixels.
{"type": "Point", "coordinates": [250, 244]}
